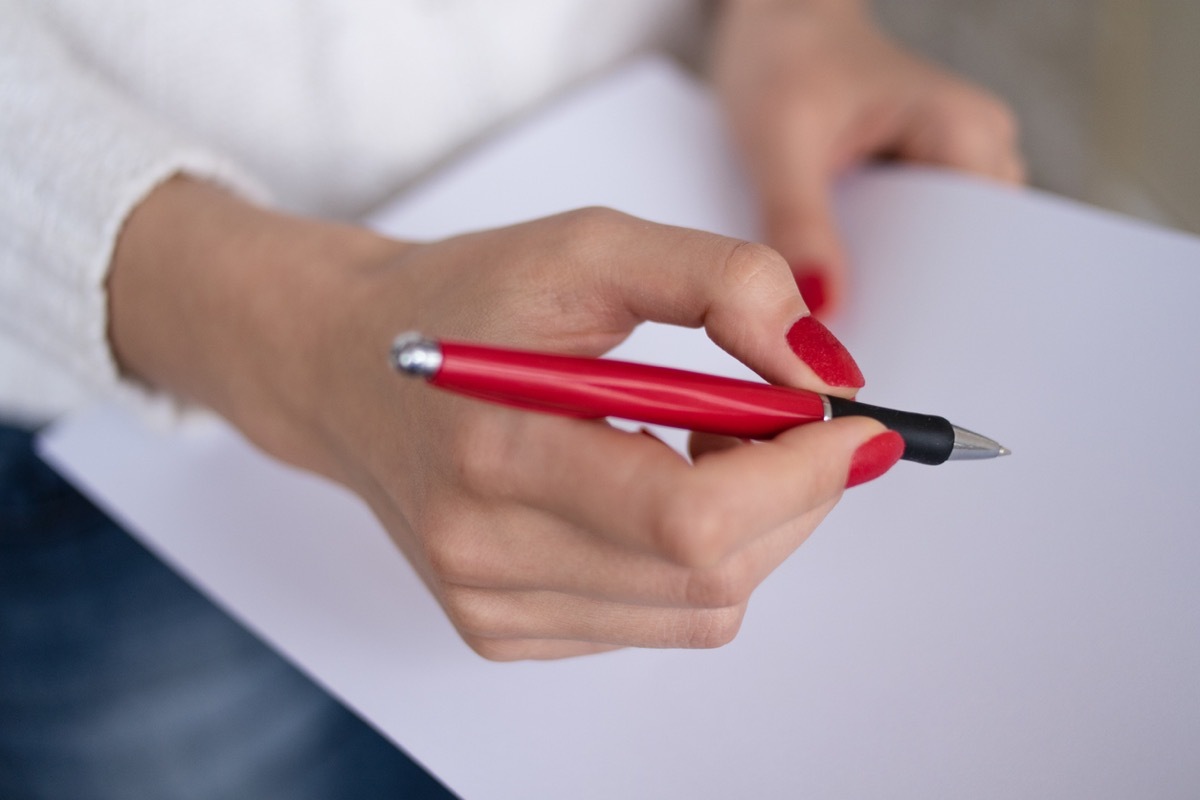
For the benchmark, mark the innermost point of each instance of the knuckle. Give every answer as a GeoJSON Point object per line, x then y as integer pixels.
{"type": "Point", "coordinates": [481, 454]}
{"type": "Point", "coordinates": [966, 141]}
{"type": "Point", "coordinates": [591, 223]}
{"type": "Point", "coordinates": [473, 613]}
{"type": "Point", "coordinates": [714, 628]}
{"type": "Point", "coordinates": [691, 529]}
{"type": "Point", "coordinates": [454, 553]}
{"type": "Point", "coordinates": [498, 650]}
{"type": "Point", "coordinates": [750, 264]}
{"type": "Point", "coordinates": [980, 128]}
{"type": "Point", "coordinates": [584, 238]}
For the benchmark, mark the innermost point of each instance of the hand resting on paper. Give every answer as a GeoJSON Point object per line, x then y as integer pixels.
{"type": "Point", "coordinates": [541, 536]}
{"type": "Point", "coordinates": [812, 87]}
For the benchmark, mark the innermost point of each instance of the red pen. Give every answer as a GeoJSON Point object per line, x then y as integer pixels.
{"type": "Point", "coordinates": [593, 388]}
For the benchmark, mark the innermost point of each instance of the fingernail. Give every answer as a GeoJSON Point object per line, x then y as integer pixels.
{"type": "Point", "coordinates": [875, 457]}
{"type": "Point", "coordinates": [811, 283]}
{"type": "Point", "coordinates": [820, 349]}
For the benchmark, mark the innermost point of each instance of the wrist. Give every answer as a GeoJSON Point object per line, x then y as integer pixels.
{"type": "Point", "coordinates": [228, 305]}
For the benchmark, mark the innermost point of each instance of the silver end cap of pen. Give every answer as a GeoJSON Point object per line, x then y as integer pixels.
{"type": "Point", "coordinates": [970, 445]}
{"type": "Point", "coordinates": [417, 355]}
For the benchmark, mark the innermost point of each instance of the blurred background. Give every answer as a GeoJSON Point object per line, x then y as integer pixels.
{"type": "Point", "coordinates": [1107, 91]}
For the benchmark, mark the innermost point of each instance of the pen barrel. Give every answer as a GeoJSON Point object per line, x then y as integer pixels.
{"type": "Point", "coordinates": [595, 388]}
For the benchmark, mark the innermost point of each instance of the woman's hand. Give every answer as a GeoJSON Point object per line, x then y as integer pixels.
{"type": "Point", "coordinates": [541, 536]}
{"type": "Point", "coordinates": [811, 87]}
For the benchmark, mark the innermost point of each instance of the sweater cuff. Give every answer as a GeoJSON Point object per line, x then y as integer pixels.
{"type": "Point", "coordinates": [79, 156]}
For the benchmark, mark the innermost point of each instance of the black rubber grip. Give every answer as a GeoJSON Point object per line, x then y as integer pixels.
{"type": "Point", "coordinates": [927, 439]}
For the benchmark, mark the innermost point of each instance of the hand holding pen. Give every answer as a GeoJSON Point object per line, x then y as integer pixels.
{"type": "Point", "coordinates": [544, 535]}
{"type": "Point", "coordinates": [541, 536]}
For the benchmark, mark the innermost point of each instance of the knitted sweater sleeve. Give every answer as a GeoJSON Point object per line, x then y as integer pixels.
{"type": "Point", "coordinates": [77, 157]}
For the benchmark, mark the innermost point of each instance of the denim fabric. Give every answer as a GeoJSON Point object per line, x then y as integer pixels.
{"type": "Point", "coordinates": [118, 680]}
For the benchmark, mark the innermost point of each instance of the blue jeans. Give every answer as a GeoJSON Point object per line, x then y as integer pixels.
{"type": "Point", "coordinates": [119, 680]}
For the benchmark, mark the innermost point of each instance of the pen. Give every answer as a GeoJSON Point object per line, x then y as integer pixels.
{"type": "Point", "coordinates": [592, 388]}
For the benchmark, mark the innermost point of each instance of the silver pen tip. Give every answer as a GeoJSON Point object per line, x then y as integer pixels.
{"type": "Point", "coordinates": [971, 445]}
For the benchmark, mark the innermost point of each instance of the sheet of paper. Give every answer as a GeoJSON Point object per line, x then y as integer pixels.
{"type": "Point", "coordinates": [1028, 627]}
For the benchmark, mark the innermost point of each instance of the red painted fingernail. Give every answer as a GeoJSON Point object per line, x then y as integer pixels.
{"type": "Point", "coordinates": [820, 349]}
{"type": "Point", "coordinates": [875, 457]}
{"type": "Point", "coordinates": [811, 283]}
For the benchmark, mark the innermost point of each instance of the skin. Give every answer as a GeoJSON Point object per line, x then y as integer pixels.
{"type": "Point", "coordinates": [541, 536]}
{"type": "Point", "coordinates": [813, 87]}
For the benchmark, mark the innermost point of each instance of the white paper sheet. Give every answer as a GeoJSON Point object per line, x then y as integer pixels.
{"type": "Point", "coordinates": [1028, 627]}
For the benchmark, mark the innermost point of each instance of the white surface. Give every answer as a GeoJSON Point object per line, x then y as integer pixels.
{"type": "Point", "coordinates": [1020, 628]}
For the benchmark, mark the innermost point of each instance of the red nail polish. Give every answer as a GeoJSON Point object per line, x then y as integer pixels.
{"type": "Point", "coordinates": [820, 349]}
{"type": "Point", "coordinates": [812, 286]}
{"type": "Point", "coordinates": [875, 457]}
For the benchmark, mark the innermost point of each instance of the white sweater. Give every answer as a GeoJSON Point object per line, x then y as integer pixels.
{"type": "Point", "coordinates": [323, 107]}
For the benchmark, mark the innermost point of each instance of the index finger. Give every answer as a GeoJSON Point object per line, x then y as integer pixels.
{"type": "Point", "coordinates": [742, 293]}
